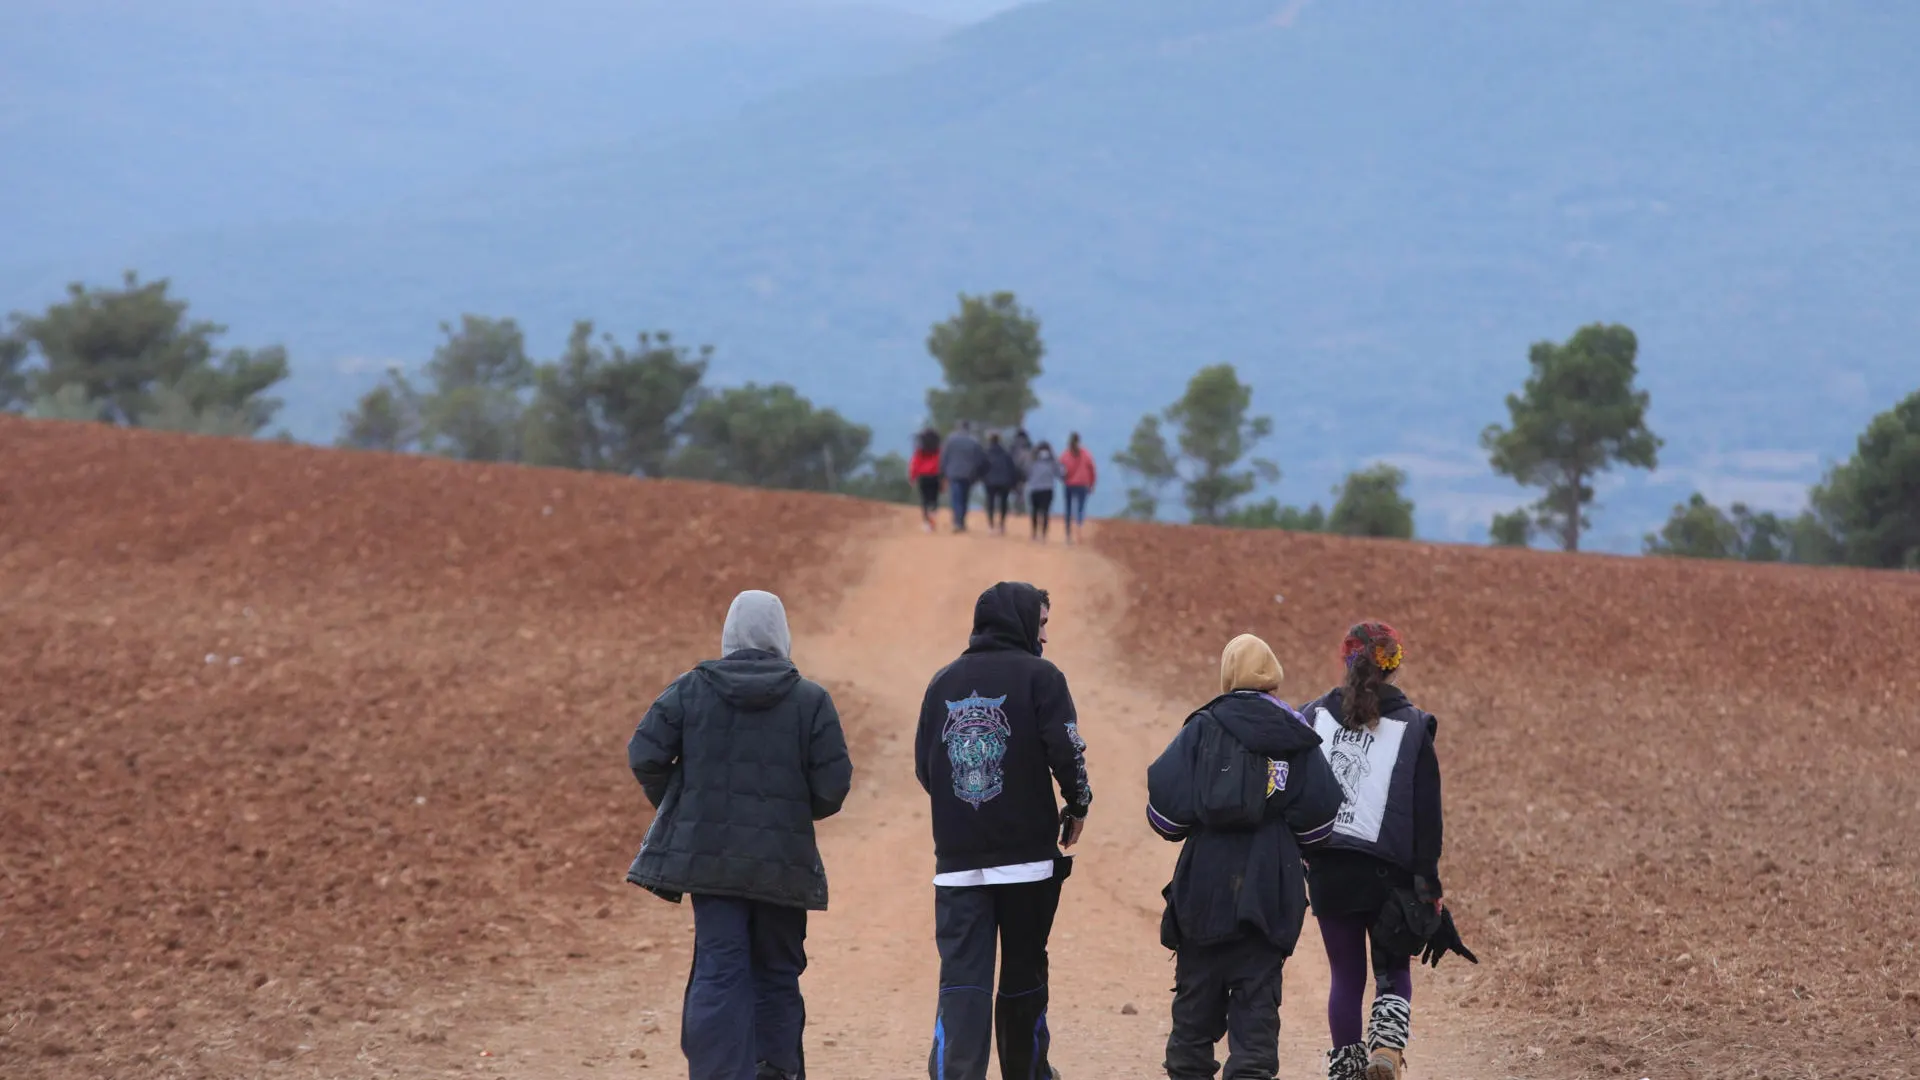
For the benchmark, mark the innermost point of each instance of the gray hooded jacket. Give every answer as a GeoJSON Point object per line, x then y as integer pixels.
{"type": "Point", "coordinates": [963, 458]}
{"type": "Point", "coordinates": [739, 757]}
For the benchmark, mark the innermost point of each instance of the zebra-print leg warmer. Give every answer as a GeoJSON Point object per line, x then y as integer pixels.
{"type": "Point", "coordinates": [1391, 1024]}
{"type": "Point", "coordinates": [1347, 1062]}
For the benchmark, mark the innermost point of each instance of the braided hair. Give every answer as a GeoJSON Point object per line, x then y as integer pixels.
{"type": "Point", "coordinates": [1371, 652]}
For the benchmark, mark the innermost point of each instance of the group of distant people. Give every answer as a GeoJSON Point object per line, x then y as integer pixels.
{"type": "Point", "coordinates": [1337, 802]}
{"type": "Point", "coordinates": [1014, 472]}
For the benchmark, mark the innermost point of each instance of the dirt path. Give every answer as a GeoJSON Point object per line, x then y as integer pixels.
{"type": "Point", "coordinates": [873, 971]}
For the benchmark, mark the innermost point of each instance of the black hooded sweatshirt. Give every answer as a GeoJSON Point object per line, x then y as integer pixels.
{"type": "Point", "coordinates": [1230, 884]}
{"type": "Point", "coordinates": [997, 732]}
{"type": "Point", "coordinates": [740, 756]}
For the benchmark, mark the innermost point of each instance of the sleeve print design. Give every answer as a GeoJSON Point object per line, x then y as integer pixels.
{"type": "Point", "coordinates": [976, 734]}
{"type": "Point", "coordinates": [1080, 760]}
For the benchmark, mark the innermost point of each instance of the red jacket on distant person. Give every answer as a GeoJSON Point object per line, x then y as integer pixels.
{"type": "Point", "coordinates": [1076, 467]}
{"type": "Point", "coordinates": [924, 463]}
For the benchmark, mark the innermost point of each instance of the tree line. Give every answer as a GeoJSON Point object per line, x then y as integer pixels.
{"type": "Point", "coordinates": [641, 409]}
{"type": "Point", "coordinates": [1579, 414]}
{"type": "Point", "coordinates": [130, 355]}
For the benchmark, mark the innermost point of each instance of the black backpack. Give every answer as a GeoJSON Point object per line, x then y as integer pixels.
{"type": "Point", "coordinates": [1230, 782]}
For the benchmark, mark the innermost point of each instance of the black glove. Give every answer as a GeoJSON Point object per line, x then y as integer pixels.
{"type": "Point", "coordinates": [1445, 940]}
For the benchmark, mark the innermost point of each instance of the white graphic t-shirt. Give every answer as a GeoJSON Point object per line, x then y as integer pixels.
{"type": "Point", "coordinates": [1363, 763]}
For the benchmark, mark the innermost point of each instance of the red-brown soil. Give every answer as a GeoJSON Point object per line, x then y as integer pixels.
{"type": "Point", "coordinates": [311, 765]}
{"type": "Point", "coordinates": [1682, 798]}
{"type": "Point", "coordinates": [289, 737]}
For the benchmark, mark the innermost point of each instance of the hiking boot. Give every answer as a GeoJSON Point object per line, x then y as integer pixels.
{"type": "Point", "coordinates": [1385, 1065]}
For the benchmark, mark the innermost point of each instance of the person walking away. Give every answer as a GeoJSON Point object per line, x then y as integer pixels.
{"type": "Point", "coordinates": [1000, 478]}
{"type": "Point", "coordinates": [997, 733]}
{"type": "Point", "coordinates": [1376, 887]}
{"type": "Point", "coordinates": [1022, 447]}
{"type": "Point", "coordinates": [740, 757]}
{"type": "Point", "coordinates": [924, 472]}
{"type": "Point", "coordinates": [1042, 473]}
{"type": "Point", "coordinates": [1076, 468]}
{"type": "Point", "coordinates": [1243, 788]}
{"type": "Point", "coordinates": [962, 461]}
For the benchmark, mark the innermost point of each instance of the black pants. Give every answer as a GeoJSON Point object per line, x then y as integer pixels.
{"type": "Point", "coordinates": [966, 922]}
{"type": "Point", "coordinates": [997, 506]}
{"type": "Point", "coordinates": [1042, 504]}
{"type": "Point", "coordinates": [1231, 990]}
{"type": "Point", "coordinates": [929, 495]}
{"type": "Point", "coordinates": [743, 1015]}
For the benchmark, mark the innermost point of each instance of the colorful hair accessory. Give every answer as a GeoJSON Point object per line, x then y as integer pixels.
{"type": "Point", "coordinates": [1377, 642]}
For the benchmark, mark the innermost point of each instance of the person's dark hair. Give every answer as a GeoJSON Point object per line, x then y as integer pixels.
{"type": "Point", "coordinates": [1044, 445]}
{"type": "Point", "coordinates": [993, 438]}
{"type": "Point", "coordinates": [1372, 653]}
{"type": "Point", "coordinates": [1073, 441]}
{"type": "Point", "coordinates": [928, 441]}
{"type": "Point", "coordinates": [1045, 600]}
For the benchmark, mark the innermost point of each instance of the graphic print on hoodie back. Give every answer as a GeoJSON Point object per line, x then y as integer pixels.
{"type": "Point", "coordinates": [975, 735]}
{"type": "Point", "coordinates": [997, 734]}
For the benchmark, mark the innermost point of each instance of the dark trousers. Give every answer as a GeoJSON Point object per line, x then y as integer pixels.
{"type": "Point", "coordinates": [1076, 509]}
{"type": "Point", "coordinates": [1351, 952]}
{"type": "Point", "coordinates": [1042, 503]}
{"type": "Point", "coordinates": [997, 506]}
{"type": "Point", "coordinates": [966, 922]}
{"type": "Point", "coordinates": [743, 1016]}
{"type": "Point", "coordinates": [929, 495]}
{"type": "Point", "coordinates": [1230, 990]}
{"type": "Point", "coordinates": [959, 493]}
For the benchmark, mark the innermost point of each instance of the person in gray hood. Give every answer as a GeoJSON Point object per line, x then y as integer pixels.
{"type": "Point", "coordinates": [740, 757]}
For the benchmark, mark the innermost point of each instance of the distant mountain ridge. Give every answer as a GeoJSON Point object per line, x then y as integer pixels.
{"type": "Point", "coordinates": [1372, 209]}
{"type": "Point", "coordinates": [141, 119]}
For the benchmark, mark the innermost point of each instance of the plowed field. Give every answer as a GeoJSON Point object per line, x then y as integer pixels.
{"type": "Point", "coordinates": [1682, 798]}
{"type": "Point", "coordinates": [311, 765]}
{"type": "Point", "coordinates": [290, 738]}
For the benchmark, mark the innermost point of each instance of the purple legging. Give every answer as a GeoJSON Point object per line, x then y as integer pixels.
{"type": "Point", "coordinates": [1348, 958]}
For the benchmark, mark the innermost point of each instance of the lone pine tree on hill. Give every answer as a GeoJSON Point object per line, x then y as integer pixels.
{"type": "Point", "coordinates": [989, 354]}
{"type": "Point", "coordinates": [1214, 433]}
{"type": "Point", "coordinates": [1578, 416]}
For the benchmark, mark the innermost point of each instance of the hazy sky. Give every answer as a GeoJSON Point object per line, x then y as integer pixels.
{"type": "Point", "coordinates": [957, 10]}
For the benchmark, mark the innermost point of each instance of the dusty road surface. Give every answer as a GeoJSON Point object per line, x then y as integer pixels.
{"type": "Point", "coordinates": [870, 986]}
